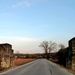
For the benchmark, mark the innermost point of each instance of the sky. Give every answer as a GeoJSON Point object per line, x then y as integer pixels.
{"type": "Point", "coordinates": [26, 23]}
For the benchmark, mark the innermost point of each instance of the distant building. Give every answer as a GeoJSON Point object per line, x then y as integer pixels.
{"type": "Point", "coordinates": [6, 55]}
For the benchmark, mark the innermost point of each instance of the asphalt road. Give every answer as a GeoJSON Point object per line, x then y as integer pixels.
{"type": "Point", "coordinates": [37, 67]}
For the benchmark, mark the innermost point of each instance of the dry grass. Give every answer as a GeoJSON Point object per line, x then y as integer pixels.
{"type": "Point", "coordinates": [19, 61]}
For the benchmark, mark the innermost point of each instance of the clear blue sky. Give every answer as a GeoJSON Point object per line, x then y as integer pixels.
{"type": "Point", "coordinates": [26, 23]}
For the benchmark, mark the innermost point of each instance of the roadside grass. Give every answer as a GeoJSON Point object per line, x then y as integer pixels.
{"type": "Point", "coordinates": [17, 62]}
{"type": "Point", "coordinates": [68, 69]}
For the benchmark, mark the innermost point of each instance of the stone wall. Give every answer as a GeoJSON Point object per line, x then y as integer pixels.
{"type": "Point", "coordinates": [6, 54]}
{"type": "Point", "coordinates": [72, 48]}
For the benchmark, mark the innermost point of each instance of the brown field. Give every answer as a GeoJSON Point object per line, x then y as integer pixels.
{"type": "Point", "coordinates": [19, 61]}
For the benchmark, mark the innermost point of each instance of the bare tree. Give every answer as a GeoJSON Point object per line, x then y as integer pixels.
{"type": "Point", "coordinates": [61, 46]}
{"type": "Point", "coordinates": [48, 47]}
{"type": "Point", "coordinates": [52, 46]}
{"type": "Point", "coordinates": [45, 46]}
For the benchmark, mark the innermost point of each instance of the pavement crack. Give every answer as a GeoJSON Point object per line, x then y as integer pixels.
{"type": "Point", "coordinates": [50, 71]}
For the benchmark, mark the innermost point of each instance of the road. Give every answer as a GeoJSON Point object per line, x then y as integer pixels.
{"type": "Point", "coordinates": [37, 67]}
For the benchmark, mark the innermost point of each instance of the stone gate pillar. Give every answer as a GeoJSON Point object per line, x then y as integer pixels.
{"type": "Point", "coordinates": [72, 48]}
